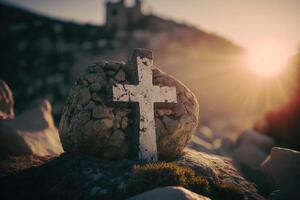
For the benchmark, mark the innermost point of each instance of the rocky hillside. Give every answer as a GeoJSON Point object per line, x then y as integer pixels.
{"type": "Point", "coordinates": [41, 56]}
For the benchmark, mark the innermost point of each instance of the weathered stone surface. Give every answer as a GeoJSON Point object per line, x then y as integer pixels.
{"type": "Point", "coordinates": [283, 166]}
{"type": "Point", "coordinates": [217, 168]}
{"type": "Point", "coordinates": [94, 136]}
{"type": "Point", "coordinates": [6, 102]}
{"type": "Point", "coordinates": [251, 137]}
{"type": "Point", "coordinates": [73, 176]}
{"type": "Point", "coordinates": [249, 155]}
{"type": "Point", "coordinates": [70, 177]}
{"type": "Point", "coordinates": [10, 165]}
{"type": "Point", "coordinates": [31, 133]}
{"type": "Point", "coordinates": [169, 193]}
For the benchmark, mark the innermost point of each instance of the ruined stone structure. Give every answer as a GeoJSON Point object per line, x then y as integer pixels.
{"type": "Point", "coordinates": [119, 16]}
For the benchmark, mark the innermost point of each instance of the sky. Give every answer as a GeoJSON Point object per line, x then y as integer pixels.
{"type": "Point", "coordinates": [248, 23]}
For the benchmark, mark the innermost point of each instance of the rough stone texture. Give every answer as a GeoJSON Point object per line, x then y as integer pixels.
{"type": "Point", "coordinates": [217, 168]}
{"type": "Point", "coordinates": [73, 176]}
{"type": "Point", "coordinates": [92, 124]}
{"type": "Point", "coordinates": [169, 193]}
{"type": "Point", "coordinates": [10, 165]}
{"type": "Point", "coordinates": [31, 133]}
{"type": "Point", "coordinates": [6, 101]}
{"type": "Point", "coordinates": [70, 177]}
{"type": "Point", "coordinates": [283, 166]}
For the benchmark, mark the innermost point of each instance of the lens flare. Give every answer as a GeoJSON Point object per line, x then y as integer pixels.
{"type": "Point", "coordinates": [267, 61]}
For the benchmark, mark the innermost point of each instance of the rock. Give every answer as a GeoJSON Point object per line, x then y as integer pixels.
{"type": "Point", "coordinates": [169, 193]}
{"type": "Point", "coordinates": [201, 145]}
{"type": "Point", "coordinates": [95, 87]}
{"type": "Point", "coordinates": [70, 177]}
{"type": "Point", "coordinates": [31, 133]}
{"type": "Point", "coordinates": [217, 168]}
{"type": "Point", "coordinates": [283, 166]}
{"type": "Point", "coordinates": [226, 147]}
{"type": "Point", "coordinates": [205, 133]}
{"type": "Point", "coordinates": [102, 112]}
{"type": "Point", "coordinates": [10, 165]}
{"type": "Point", "coordinates": [6, 102]}
{"type": "Point", "coordinates": [254, 138]}
{"type": "Point", "coordinates": [253, 144]}
{"type": "Point", "coordinates": [249, 155]}
{"type": "Point", "coordinates": [84, 96]}
{"type": "Point", "coordinates": [78, 176]}
{"type": "Point", "coordinates": [175, 123]}
{"type": "Point", "coordinates": [120, 76]}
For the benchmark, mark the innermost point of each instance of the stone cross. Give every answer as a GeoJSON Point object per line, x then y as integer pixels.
{"type": "Point", "coordinates": [145, 94]}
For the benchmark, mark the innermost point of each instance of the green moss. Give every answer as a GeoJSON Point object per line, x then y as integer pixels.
{"type": "Point", "coordinates": [154, 175]}
{"type": "Point", "coordinates": [150, 176]}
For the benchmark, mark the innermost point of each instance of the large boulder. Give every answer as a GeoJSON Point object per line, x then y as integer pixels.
{"type": "Point", "coordinates": [283, 166]}
{"type": "Point", "coordinates": [92, 124]}
{"type": "Point", "coordinates": [218, 169]}
{"type": "Point", "coordinates": [169, 193]}
{"type": "Point", "coordinates": [31, 133]}
{"type": "Point", "coordinates": [73, 176]}
{"type": "Point", "coordinates": [6, 102]}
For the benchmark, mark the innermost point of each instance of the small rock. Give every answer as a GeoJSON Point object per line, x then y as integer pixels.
{"type": "Point", "coordinates": [120, 76]}
{"type": "Point", "coordinates": [90, 106]}
{"type": "Point", "coordinates": [160, 128]}
{"type": "Point", "coordinates": [117, 138]}
{"type": "Point", "coordinates": [169, 193]}
{"type": "Point", "coordinates": [170, 124]}
{"type": "Point", "coordinates": [254, 138]}
{"type": "Point", "coordinates": [110, 73]}
{"type": "Point", "coordinates": [163, 112]}
{"type": "Point", "coordinates": [95, 87]}
{"type": "Point", "coordinates": [84, 96]}
{"type": "Point", "coordinates": [91, 78]}
{"type": "Point", "coordinates": [103, 124]}
{"type": "Point", "coordinates": [31, 133]}
{"type": "Point", "coordinates": [102, 112]}
{"type": "Point", "coordinates": [6, 102]}
{"type": "Point", "coordinates": [117, 124]}
{"type": "Point", "coordinates": [124, 123]}
{"type": "Point", "coordinates": [114, 65]}
{"type": "Point", "coordinates": [249, 155]}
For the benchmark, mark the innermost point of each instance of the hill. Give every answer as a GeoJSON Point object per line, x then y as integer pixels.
{"type": "Point", "coordinates": [41, 56]}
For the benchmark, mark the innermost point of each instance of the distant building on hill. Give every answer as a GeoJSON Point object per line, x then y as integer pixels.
{"type": "Point", "coordinates": [119, 16]}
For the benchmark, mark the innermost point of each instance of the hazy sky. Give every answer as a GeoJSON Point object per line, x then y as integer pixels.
{"type": "Point", "coordinates": [247, 22]}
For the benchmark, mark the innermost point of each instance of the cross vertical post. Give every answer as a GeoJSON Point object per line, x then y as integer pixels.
{"type": "Point", "coordinates": [145, 94]}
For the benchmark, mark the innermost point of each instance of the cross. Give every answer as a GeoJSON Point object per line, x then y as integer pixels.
{"type": "Point", "coordinates": [145, 94]}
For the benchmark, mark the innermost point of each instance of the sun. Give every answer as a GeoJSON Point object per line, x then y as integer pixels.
{"type": "Point", "coordinates": [267, 61]}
